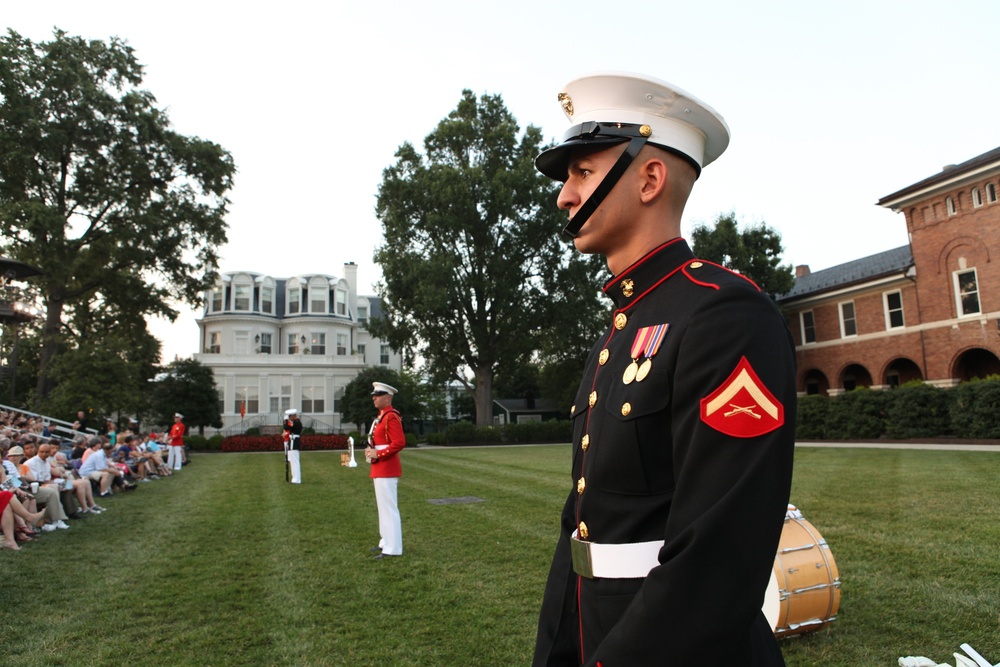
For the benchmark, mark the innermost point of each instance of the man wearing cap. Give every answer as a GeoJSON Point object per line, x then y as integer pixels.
{"type": "Point", "coordinates": [683, 426]}
{"type": "Point", "coordinates": [293, 433]}
{"type": "Point", "coordinates": [385, 440]}
{"type": "Point", "coordinates": [175, 456]}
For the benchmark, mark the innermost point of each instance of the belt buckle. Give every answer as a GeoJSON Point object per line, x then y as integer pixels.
{"type": "Point", "coordinates": [582, 563]}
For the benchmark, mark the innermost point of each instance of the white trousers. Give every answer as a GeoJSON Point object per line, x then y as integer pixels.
{"type": "Point", "coordinates": [389, 526]}
{"type": "Point", "coordinates": [293, 463]}
{"type": "Point", "coordinates": [175, 458]}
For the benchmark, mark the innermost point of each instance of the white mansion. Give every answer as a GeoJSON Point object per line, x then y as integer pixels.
{"type": "Point", "coordinates": [279, 343]}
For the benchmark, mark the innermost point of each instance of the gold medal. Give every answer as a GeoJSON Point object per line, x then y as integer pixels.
{"type": "Point", "coordinates": [630, 372]}
{"type": "Point", "coordinates": [644, 370]}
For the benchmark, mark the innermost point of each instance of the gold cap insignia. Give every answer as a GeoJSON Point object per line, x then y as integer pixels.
{"type": "Point", "coordinates": [567, 103]}
{"type": "Point", "coordinates": [645, 130]}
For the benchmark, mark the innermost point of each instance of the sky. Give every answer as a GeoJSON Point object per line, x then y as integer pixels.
{"type": "Point", "coordinates": [831, 106]}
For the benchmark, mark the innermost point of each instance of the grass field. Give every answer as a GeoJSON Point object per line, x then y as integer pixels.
{"type": "Point", "coordinates": [226, 564]}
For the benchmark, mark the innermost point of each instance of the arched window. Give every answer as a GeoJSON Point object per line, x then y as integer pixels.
{"type": "Point", "coordinates": [950, 203]}
{"type": "Point", "coordinates": [991, 193]}
{"type": "Point", "coordinates": [977, 197]}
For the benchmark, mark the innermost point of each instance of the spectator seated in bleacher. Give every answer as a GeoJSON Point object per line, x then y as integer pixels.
{"type": "Point", "coordinates": [37, 469]}
{"type": "Point", "coordinates": [81, 487]}
{"type": "Point", "coordinates": [127, 454]}
{"type": "Point", "coordinates": [99, 469]}
{"type": "Point", "coordinates": [154, 451]}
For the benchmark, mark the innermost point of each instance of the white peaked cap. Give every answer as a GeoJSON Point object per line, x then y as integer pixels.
{"type": "Point", "coordinates": [676, 120]}
{"type": "Point", "coordinates": [382, 387]}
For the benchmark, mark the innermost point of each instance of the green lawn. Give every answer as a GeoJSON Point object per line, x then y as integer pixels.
{"type": "Point", "coordinates": [226, 564]}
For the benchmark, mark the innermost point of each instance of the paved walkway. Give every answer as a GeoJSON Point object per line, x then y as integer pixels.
{"type": "Point", "coordinates": [905, 445]}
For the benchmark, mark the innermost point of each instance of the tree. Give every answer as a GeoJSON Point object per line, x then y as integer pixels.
{"type": "Point", "coordinates": [98, 191]}
{"type": "Point", "coordinates": [471, 252]}
{"type": "Point", "coordinates": [187, 386]}
{"type": "Point", "coordinates": [754, 252]}
{"type": "Point", "coordinates": [356, 403]}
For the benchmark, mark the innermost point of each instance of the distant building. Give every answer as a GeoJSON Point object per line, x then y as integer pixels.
{"type": "Point", "coordinates": [279, 343]}
{"type": "Point", "coordinates": [927, 311]}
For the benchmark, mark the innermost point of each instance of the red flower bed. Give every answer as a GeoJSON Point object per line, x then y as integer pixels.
{"type": "Point", "coordinates": [273, 443]}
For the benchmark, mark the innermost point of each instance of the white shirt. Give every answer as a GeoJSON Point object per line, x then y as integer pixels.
{"type": "Point", "coordinates": [40, 470]}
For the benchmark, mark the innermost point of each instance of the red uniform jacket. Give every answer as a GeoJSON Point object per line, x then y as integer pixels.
{"type": "Point", "coordinates": [388, 431]}
{"type": "Point", "coordinates": [177, 435]}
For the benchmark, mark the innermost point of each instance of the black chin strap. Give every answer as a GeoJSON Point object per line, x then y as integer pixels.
{"type": "Point", "coordinates": [576, 222]}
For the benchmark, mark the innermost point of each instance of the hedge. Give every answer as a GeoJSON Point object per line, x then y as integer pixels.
{"type": "Point", "coordinates": [467, 433]}
{"type": "Point", "coordinates": [915, 410]}
{"type": "Point", "coordinates": [273, 443]}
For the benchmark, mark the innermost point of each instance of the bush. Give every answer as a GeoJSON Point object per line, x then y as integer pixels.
{"type": "Point", "coordinates": [975, 408]}
{"type": "Point", "coordinates": [411, 439]}
{"type": "Point", "coordinates": [857, 415]}
{"type": "Point", "coordinates": [918, 410]}
{"type": "Point", "coordinates": [811, 417]}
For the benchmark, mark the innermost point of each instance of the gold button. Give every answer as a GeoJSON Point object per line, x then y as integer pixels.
{"type": "Point", "coordinates": [696, 265]}
{"type": "Point", "coordinates": [582, 531]}
{"type": "Point", "coordinates": [620, 321]}
{"type": "Point", "coordinates": [626, 409]}
{"type": "Point", "coordinates": [581, 484]}
{"type": "Point", "coordinates": [603, 359]}
{"type": "Point", "coordinates": [593, 398]}
{"type": "Point", "coordinates": [572, 409]}
{"type": "Point", "coordinates": [585, 442]}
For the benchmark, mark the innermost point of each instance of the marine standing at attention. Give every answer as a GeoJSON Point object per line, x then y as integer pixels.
{"type": "Point", "coordinates": [683, 426]}
{"type": "Point", "coordinates": [385, 440]}
{"type": "Point", "coordinates": [293, 431]}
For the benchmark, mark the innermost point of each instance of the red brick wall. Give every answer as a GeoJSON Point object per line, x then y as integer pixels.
{"type": "Point", "coordinates": [941, 244]}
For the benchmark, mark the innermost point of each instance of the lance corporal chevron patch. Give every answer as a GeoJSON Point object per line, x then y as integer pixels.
{"type": "Point", "coordinates": [742, 406]}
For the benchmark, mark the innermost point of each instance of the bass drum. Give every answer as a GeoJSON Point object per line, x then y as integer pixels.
{"type": "Point", "coordinates": [804, 592]}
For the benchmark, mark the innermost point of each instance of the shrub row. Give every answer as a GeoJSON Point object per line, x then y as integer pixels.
{"type": "Point", "coordinates": [273, 443]}
{"type": "Point", "coordinates": [915, 410]}
{"type": "Point", "coordinates": [467, 433]}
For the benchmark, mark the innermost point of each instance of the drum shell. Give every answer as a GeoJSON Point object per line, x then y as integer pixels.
{"type": "Point", "coordinates": [807, 578]}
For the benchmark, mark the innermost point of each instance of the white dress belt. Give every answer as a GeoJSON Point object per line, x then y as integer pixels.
{"type": "Point", "coordinates": [614, 561]}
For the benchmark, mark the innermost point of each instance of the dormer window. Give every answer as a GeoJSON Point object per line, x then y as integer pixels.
{"type": "Point", "coordinates": [341, 305]}
{"type": "Point", "coordinates": [241, 297]}
{"type": "Point", "coordinates": [294, 294]}
{"type": "Point", "coordinates": [267, 299]}
{"type": "Point", "coordinates": [216, 301]}
{"type": "Point", "coordinates": [317, 299]}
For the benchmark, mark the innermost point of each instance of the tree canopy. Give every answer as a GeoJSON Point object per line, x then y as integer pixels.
{"type": "Point", "coordinates": [754, 252]}
{"type": "Point", "coordinates": [120, 212]}
{"type": "Point", "coordinates": [356, 404]}
{"type": "Point", "coordinates": [472, 260]}
{"type": "Point", "coordinates": [187, 386]}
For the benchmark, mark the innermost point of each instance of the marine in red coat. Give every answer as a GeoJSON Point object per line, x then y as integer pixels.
{"type": "Point", "coordinates": [683, 426]}
{"type": "Point", "coordinates": [385, 440]}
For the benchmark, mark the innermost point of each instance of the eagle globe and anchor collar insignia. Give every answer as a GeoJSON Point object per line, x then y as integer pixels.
{"type": "Point", "coordinates": [742, 406]}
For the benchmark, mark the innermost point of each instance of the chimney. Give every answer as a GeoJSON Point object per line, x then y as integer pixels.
{"type": "Point", "coordinates": [802, 270]}
{"type": "Point", "coordinates": [351, 276]}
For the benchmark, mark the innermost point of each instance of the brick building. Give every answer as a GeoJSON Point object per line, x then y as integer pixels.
{"type": "Point", "coordinates": [926, 311]}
